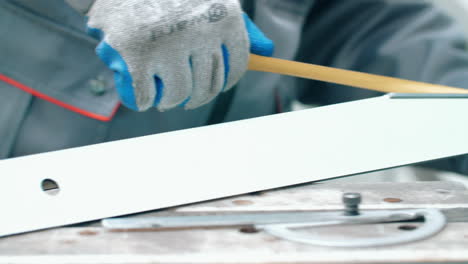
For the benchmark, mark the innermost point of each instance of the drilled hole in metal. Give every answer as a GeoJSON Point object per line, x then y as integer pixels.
{"type": "Point", "coordinates": [50, 187]}
{"type": "Point", "coordinates": [249, 230]}
{"type": "Point", "coordinates": [407, 227]}
{"type": "Point", "coordinates": [393, 200]}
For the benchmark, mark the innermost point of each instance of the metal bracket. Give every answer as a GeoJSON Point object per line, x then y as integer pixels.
{"type": "Point", "coordinates": [284, 225]}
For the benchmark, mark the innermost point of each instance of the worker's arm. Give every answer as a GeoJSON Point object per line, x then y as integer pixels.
{"type": "Point", "coordinates": [394, 38]}
{"type": "Point", "coordinates": [168, 53]}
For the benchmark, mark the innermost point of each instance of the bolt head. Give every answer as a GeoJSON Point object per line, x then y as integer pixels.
{"type": "Point", "coordinates": [352, 198]}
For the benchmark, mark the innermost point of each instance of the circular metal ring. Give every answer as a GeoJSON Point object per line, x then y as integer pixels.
{"type": "Point", "coordinates": [435, 222]}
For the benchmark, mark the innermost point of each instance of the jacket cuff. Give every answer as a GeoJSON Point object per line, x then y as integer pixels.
{"type": "Point", "coordinates": [81, 6]}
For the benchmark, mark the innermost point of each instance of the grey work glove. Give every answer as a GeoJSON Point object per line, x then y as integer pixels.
{"type": "Point", "coordinates": [168, 53]}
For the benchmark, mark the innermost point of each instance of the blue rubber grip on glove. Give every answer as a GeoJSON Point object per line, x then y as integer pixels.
{"type": "Point", "coordinates": [259, 43]}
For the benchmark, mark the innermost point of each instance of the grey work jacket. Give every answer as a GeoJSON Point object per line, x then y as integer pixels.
{"type": "Point", "coordinates": [56, 94]}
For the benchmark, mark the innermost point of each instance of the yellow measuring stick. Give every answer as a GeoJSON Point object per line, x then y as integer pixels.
{"type": "Point", "coordinates": [350, 78]}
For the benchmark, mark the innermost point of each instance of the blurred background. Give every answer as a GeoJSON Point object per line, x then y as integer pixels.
{"type": "Point", "coordinates": [459, 10]}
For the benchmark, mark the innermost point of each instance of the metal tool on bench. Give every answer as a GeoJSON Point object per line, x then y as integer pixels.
{"type": "Point", "coordinates": [408, 130]}
{"type": "Point", "coordinates": [282, 225]}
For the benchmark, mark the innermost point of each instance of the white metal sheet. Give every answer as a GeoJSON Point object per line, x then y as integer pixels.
{"type": "Point", "coordinates": [200, 164]}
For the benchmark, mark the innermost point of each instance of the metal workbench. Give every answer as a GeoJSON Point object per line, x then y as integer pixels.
{"type": "Point", "coordinates": [91, 243]}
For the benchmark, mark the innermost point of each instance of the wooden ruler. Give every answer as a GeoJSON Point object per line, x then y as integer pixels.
{"type": "Point", "coordinates": [345, 77]}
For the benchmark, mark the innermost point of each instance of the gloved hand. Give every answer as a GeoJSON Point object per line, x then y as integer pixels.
{"type": "Point", "coordinates": [167, 53]}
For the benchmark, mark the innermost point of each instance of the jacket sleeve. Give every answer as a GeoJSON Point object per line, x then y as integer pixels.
{"type": "Point", "coordinates": [81, 6]}
{"type": "Point", "coordinates": [406, 39]}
